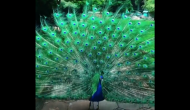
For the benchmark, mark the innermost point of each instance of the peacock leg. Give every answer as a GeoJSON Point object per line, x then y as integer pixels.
{"type": "Point", "coordinates": [98, 106]}
{"type": "Point", "coordinates": [90, 105]}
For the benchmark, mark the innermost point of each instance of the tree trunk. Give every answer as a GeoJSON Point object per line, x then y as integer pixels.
{"type": "Point", "coordinates": [138, 6]}
{"type": "Point", "coordinates": [59, 2]}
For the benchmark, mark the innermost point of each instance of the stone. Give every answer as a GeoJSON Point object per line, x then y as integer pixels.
{"type": "Point", "coordinates": [135, 18]}
{"type": "Point", "coordinates": [142, 17]}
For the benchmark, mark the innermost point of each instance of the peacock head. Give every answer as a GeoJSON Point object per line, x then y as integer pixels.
{"type": "Point", "coordinates": [101, 77]}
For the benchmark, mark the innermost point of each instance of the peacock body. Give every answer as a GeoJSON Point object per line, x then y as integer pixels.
{"type": "Point", "coordinates": [69, 60]}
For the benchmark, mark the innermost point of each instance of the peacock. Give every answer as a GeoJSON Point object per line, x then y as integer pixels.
{"type": "Point", "coordinates": [95, 57]}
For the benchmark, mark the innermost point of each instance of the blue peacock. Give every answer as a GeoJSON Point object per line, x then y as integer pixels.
{"type": "Point", "coordinates": [95, 58]}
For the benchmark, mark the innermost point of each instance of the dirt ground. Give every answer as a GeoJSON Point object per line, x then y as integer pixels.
{"type": "Point", "coordinates": [84, 105]}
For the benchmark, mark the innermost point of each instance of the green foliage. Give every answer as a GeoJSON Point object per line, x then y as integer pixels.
{"type": "Point", "coordinates": [68, 4]}
{"type": "Point", "coordinates": [98, 3]}
{"type": "Point", "coordinates": [47, 3]}
{"type": "Point", "coordinates": [116, 3]}
{"type": "Point", "coordinates": [149, 5]}
{"type": "Point", "coordinates": [44, 8]}
{"type": "Point", "coordinates": [138, 2]}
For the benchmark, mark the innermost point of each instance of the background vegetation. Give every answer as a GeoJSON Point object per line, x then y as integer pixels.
{"type": "Point", "coordinates": [44, 7]}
